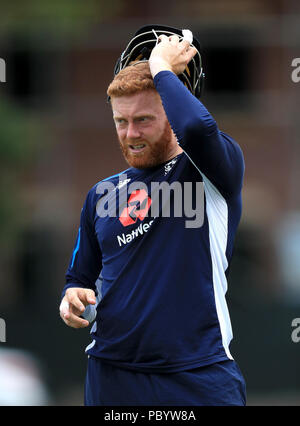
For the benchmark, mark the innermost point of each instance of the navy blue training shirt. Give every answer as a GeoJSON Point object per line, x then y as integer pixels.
{"type": "Point", "coordinates": [161, 284]}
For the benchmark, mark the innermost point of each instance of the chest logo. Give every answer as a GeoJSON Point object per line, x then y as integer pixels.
{"type": "Point", "coordinates": [138, 206]}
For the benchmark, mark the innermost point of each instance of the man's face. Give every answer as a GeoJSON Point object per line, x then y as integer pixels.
{"type": "Point", "coordinates": [144, 133]}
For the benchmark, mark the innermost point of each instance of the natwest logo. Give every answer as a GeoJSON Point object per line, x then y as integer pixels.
{"type": "Point", "coordinates": [137, 207]}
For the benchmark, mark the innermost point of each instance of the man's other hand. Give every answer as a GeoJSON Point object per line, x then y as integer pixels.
{"type": "Point", "coordinates": [73, 305]}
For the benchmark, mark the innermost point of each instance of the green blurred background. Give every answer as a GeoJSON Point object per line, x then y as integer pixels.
{"type": "Point", "coordinates": [57, 139]}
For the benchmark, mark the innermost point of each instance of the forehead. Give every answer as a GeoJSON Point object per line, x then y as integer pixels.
{"type": "Point", "coordinates": [146, 102]}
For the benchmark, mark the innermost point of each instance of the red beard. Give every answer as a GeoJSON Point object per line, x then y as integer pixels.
{"type": "Point", "coordinates": [154, 154]}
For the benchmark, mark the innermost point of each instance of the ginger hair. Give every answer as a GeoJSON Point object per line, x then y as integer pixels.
{"type": "Point", "coordinates": [132, 79]}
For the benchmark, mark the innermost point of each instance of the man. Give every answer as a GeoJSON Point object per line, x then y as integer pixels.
{"type": "Point", "coordinates": [162, 329]}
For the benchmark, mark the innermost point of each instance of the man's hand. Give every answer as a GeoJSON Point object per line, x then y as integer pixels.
{"type": "Point", "coordinates": [170, 54]}
{"type": "Point", "coordinates": [73, 305]}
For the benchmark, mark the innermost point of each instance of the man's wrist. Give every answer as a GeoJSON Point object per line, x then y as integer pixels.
{"type": "Point", "coordinates": [157, 64]}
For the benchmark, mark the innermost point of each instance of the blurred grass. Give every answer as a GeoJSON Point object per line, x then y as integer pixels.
{"type": "Point", "coordinates": [69, 16]}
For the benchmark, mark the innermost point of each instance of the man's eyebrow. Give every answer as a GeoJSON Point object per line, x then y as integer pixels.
{"type": "Point", "coordinates": [136, 116]}
{"type": "Point", "coordinates": [118, 117]}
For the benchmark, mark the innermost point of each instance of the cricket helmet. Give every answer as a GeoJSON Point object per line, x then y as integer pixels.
{"type": "Point", "coordinates": [144, 40]}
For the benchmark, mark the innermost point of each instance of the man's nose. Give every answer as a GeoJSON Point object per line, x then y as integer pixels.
{"type": "Point", "coordinates": [133, 131]}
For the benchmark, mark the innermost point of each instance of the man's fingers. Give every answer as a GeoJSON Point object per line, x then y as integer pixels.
{"type": "Point", "coordinates": [64, 307]}
{"type": "Point", "coordinates": [71, 315]}
{"type": "Point", "coordinates": [174, 39]}
{"type": "Point", "coordinates": [89, 297]}
{"type": "Point", "coordinates": [76, 302]}
{"type": "Point", "coordinates": [185, 44]}
{"type": "Point", "coordinates": [75, 321]}
{"type": "Point", "coordinates": [162, 38]}
{"type": "Point", "coordinates": [86, 296]}
{"type": "Point", "coordinates": [76, 299]}
{"type": "Point", "coordinates": [191, 53]}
